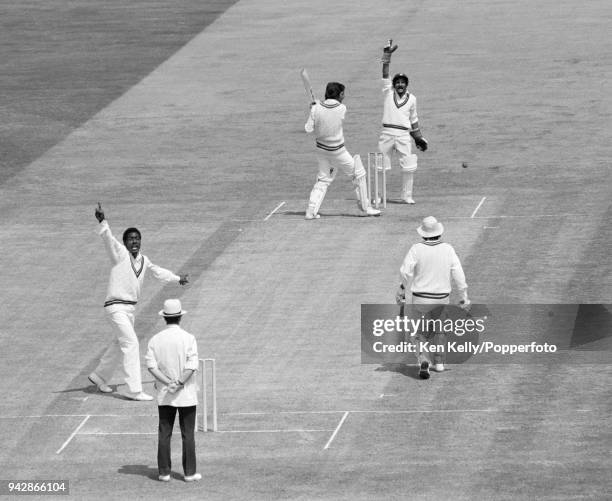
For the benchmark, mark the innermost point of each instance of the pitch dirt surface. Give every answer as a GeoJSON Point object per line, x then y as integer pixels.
{"type": "Point", "coordinates": [187, 121]}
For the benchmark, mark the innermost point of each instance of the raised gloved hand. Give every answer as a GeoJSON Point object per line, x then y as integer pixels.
{"type": "Point", "coordinates": [387, 51]}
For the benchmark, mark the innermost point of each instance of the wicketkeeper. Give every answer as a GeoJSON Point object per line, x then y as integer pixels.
{"type": "Point", "coordinates": [325, 121]}
{"type": "Point", "coordinates": [400, 125]}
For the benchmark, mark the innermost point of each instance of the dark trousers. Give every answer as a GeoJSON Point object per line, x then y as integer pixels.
{"type": "Point", "coordinates": [187, 419]}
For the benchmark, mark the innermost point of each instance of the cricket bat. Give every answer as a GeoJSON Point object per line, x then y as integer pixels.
{"type": "Point", "coordinates": [307, 85]}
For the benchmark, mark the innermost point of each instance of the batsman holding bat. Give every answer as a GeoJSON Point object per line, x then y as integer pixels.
{"type": "Point", "coordinates": [325, 121]}
{"type": "Point", "coordinates": [400, 124]}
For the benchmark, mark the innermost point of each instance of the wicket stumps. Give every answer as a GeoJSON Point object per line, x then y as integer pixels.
{"type": "Point", "coordinates": [376, 162]}
{"type": "Point", "coordinates": [204, 365]}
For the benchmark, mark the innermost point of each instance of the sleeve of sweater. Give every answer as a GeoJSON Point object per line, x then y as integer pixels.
{"type": "Point", "coordinates": [114, 248]}
{"type": "Point", "coordinates": [161, 274]}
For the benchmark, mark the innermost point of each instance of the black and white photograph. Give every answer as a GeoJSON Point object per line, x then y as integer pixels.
{"type": "Point", "coordinates": [306, 250]}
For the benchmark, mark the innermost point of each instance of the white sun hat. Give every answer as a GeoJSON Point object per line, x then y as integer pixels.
{"type": "Point", "coordinates": [172, 308]}
{"type": "Point", "coordinates": [430, 227]}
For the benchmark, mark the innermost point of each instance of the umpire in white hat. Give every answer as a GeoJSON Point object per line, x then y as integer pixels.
{"type": "Point", "coordinates": [426, 274]}
{"type": "Point", "coordinates": [172, 358]}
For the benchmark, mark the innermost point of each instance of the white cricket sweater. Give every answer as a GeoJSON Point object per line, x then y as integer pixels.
{"type": "Point", "coordinates": [127, 274]}
{"type": "Point", "coordinates": [428, 268]}
{"type": "Point", "coordinates": [326, 120]}
{"type": "Point", "coordinates": [398, 113]}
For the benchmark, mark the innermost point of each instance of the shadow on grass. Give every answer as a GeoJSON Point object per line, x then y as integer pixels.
{"type": "Point", "coordinates": [322, 214]}
{"type": "Point", "coordinates": [411, 371]}
{"type": "Point", "coordinates": [141, 470]}
{"type": "Point", "coordinates": [92, 390]}
{"type": "Point", "coordinates": [397, 201]}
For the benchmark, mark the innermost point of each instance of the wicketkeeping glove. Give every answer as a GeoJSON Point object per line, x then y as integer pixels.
{"type": "Point", "coordinates": [419, 140]}
{"type": "Point", "coordinates": [387, 51]}
{"type": "Point", "coordinates": [421, 143]}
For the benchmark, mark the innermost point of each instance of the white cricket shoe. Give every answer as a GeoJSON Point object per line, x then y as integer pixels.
{"type": "Point", "coordinates": [141, 397]}
{"type": "Point", "coordinates": [371, 211]}
{"type": "Point", "coordinates": [408, 200]}
{"type": "Point", "coordinates": [439, 367]}
{"type": "Point", "coordinates": [193, 478]}
{"type": "Point", "coordinates": [100, 383]}
{"type": "Point", "coordinates": [310, 215]}
{"type": "Point", "coordinates": [164, 478]}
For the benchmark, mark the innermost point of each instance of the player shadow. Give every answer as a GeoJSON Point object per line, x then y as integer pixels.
{"type": "Point", "coordinates": [92, 390]}
{"type": "Point", "coordinates": [82, 389]}
{"type": "Point", "coordinates": [143, 470]}
{"type": "Point", "coordinates": [323, 214]}
{"type": "Point", "coordinates": [398, 201]}
{"type": "Point", "coordinates": [408, 370]}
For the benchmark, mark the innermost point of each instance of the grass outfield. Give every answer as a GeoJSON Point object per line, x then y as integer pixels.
{"type": "Point", "coordinates": [187, 121]}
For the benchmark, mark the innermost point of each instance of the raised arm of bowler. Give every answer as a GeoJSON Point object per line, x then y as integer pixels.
{"type": "Point", "coordinates": [127, 275]}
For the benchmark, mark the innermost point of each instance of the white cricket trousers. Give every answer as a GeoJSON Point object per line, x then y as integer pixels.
{"type": "Point", "coordinates": [425, 306]}
{"type": "Point", "coordinates": [330, 161]}
{"type": "Point", "coordinates": [388, 143]}
{"type": "Point", "coordinates": [124, 351]}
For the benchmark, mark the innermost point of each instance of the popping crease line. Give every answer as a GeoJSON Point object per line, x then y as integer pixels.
{"type": "Point", "coordinates": [275, 209]}
{"type": "Point", "coordinates": [290, 430]}
{"type": "Point", "coordinates": [263, 413]}
{"type": "Point", "coordinates": [478, 207]}
{"type": "Point", "coordinates": [72, 435]}
{"type": "Point", "coordinates": [331, 439]}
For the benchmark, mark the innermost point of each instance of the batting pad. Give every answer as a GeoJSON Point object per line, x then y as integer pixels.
{"type": "Point", "coordinates": [359, 168]}
{"type": "Point", "coordinates": [316, 196]}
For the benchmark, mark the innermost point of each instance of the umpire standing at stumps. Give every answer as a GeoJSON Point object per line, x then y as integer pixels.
{"type": "Point", "coordinates": [426, 274]}
{"type": "Point", "coordinates": [172, 358]}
